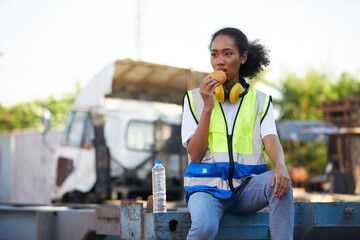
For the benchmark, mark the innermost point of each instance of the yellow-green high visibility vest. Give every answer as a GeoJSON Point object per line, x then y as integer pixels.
{"type": "Point", "coordinates": [233, 155]}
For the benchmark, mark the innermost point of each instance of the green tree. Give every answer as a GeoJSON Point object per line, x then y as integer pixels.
{"type": "Point", "coordinates": [347, 86]}
{"type": "Point", "coordinates": [29, 115]}
{"type": "Point", "coordinates": [302, 98]}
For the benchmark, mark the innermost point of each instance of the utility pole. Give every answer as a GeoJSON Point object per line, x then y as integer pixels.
{"type": "Point", "coordinates": [139, 29]}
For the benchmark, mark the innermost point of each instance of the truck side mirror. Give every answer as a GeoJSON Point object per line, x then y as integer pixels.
{"type": "Point", "coordinates": [46, 120]}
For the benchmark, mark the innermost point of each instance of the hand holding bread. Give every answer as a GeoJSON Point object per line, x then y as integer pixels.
{"type": "Point", "coordinates": [218, 75]}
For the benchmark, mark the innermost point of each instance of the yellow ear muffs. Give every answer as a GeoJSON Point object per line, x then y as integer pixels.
{"type": "Point", "coordinates": [235, 92]}
{"type": "Point", "coordinates": [220, 93]}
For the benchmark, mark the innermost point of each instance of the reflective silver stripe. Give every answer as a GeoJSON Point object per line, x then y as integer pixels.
{"type": "Point", "coordinates": [259, 106]}
{"type": "Point", "coordinates": [259, 102]}
{"type": "Point", "coordinates": [238, 182]}
{"type": "Point", "coordinates": [255, 159]}
{"type": "Point", "coordinates": [212, 182]}
{"type": "Point", "coordinates": [210, 158]}
{"type": "Point", "coordinates": [198, 102]}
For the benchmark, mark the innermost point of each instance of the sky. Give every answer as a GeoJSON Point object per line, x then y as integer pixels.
{"type": "Point", "coordinates": [47, 46]}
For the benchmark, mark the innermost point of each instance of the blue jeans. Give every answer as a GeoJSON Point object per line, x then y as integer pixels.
{"type": "Point", "coordinates": [206, 211]}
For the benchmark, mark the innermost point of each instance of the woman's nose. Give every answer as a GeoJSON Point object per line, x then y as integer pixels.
{"type": "Point", "coordinates": [220, 61]}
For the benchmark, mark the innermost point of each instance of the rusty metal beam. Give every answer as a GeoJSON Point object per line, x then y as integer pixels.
{"type": "Point", "coordinates": [338, 220]}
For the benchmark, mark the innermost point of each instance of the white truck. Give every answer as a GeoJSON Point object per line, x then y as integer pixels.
{"type": "Point", "coordinates": [127, 116]}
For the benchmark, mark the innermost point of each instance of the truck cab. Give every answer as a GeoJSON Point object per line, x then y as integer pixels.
{"type": "Point", "coordinates": [112, 137]}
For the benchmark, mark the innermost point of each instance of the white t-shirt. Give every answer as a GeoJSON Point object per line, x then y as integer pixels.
{"type": "Point", "coordinates": [189, 125]}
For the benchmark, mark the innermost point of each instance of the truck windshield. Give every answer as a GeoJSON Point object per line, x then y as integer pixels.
{"type": "Point", "coordinates": [74, 129]}
{"type": "Point", "coordinates": [140, 136]}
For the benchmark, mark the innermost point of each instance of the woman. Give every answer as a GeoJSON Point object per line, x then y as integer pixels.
{"type": "Point", "coordinates": [226, 142]}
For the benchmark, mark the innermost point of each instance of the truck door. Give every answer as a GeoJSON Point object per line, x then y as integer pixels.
{"type": "Point", "coordinates": [76, 156]}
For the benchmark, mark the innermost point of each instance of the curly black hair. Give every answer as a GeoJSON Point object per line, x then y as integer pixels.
{"type": "Point", "coordinates": [258, 55]}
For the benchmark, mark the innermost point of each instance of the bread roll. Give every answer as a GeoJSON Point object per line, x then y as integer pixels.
{"type": "Point", "coordinates": [218, 75]}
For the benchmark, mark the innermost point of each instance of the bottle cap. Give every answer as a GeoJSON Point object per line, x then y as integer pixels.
{"type": "Point", "coordinates": [157, 161]}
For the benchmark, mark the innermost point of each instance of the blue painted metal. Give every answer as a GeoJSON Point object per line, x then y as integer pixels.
{"type": "Point", "coordinates": [169, 225]}
{"type": "Point", "coordinates": [176, 225]}
{"type": "Point", "coordinates": [27, 222]}
{"type": "Point", "coordinates": [17, 225]}
{"type": "Point", "coordinates": [311, 221]}
{"type": "Point", "coordinates": [329, 221]}
{"type": "Point", "coordinates": [129, 221]}
{"type": "Point", "coordinates": [253, 226]}
{"type": "Point", "coordinates": [305, 131]}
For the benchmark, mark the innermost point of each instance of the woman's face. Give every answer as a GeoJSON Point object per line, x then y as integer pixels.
{"type": "Point", "coordinates": [225, 56]}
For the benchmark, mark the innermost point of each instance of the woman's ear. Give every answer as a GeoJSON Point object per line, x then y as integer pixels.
{"type": "Point", "coordinates": [243, 57]}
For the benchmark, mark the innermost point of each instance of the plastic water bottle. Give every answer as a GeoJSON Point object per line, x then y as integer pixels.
{"type": "Point", "coordinates": [158, 187]}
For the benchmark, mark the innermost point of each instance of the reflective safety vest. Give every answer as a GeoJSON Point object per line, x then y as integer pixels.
{"type": "Point", "coordinates": [233, 155]}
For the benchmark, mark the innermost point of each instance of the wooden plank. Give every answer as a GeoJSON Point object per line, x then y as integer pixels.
{"type": "Point", "coordinates": [339, 153]}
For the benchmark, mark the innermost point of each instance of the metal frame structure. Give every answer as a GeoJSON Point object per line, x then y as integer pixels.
{"type": "Point", "coordinates": [338, 220]}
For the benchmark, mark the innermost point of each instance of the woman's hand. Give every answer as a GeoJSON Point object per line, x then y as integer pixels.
{"type": "Point", "coordinates": [198, 143]}
{"type": "Point", "coordinates": [281, 180]}
{"type": "Point", "coordinates": [207, 88]}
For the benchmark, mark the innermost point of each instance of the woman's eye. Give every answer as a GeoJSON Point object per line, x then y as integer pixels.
{"type": "Point", "coordinates": [228, 54]}
{"type": "Point", "coordinates": [213, 54]}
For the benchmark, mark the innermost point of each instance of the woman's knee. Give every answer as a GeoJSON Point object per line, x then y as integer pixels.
{"type": "Point", "coordinates": [205, 228]}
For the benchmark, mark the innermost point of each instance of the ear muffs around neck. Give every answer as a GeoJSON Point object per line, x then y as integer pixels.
{"type": "Point", "coordinates": [233, 94]}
